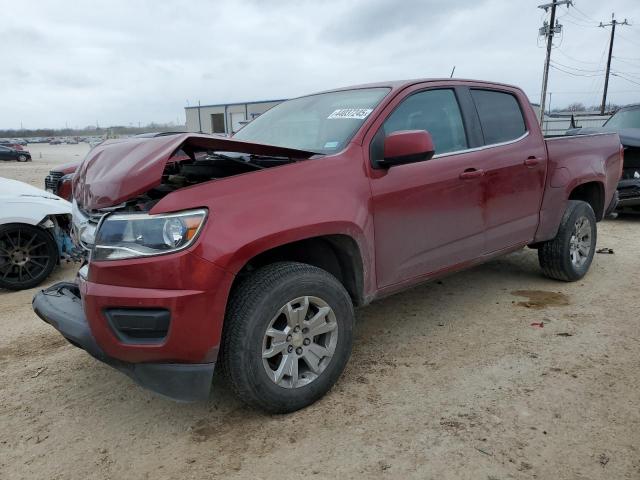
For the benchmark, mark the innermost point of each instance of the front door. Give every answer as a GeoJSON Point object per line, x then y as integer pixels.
{"type": "Point", "coordinates": [427, 215]}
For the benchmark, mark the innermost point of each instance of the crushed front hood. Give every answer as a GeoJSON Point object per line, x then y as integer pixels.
{"type": "Point", "coordinates": [119, 170]}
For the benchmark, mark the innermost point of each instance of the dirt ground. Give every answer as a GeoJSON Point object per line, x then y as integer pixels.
{"type": "Point", "coordinates": [450, 380]}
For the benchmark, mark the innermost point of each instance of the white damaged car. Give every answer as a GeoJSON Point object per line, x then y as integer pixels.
{"type": "Point", "coordinates": [34, 234]}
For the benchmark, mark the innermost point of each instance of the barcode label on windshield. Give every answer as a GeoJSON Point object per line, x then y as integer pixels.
{"type": "Point", "coordinates": [357, 113]}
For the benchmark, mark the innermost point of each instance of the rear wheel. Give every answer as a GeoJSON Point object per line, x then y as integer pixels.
{"type": "Point", "coordinates": [569, 255]}
{"type": "Point", "coordinates": [287, 336]}
{"type": "Point", "coordinates": [28, 254]}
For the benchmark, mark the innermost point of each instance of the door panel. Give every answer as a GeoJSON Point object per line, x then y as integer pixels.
{"type": "Point", "coordinates": [426, 218]}
{"type": "Point", "coordinates": [515, 169]}
{"type": "Point", "coordinates": [514, 193]}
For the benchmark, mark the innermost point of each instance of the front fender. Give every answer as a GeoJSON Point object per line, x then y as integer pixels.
{"type": "Point", "coordinates": [236, 260]}
{"type": "Point", "coordinates": [32, 210]}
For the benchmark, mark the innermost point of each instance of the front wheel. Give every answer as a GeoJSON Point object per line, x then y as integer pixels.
{"type": "Point", "coordinates": [28, 254]}
{"type": "Point", "coordinates": [22, 158]}
{"type": "Point", "coordinates": [569, 255]}
{"type": "Point", "coordinates": [287, 336]}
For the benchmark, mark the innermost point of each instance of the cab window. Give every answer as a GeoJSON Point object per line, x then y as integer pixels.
{"type": "Point", "coordinates": [436, 111]}
{"type": "Point", "coordinates": [500, 115]}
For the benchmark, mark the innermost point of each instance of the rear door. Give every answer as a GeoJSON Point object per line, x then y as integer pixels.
{"type": "Point", "coordinates": [514, 164]}
{"type": "Point", "coordinates": [5, 153]}
{"type": "Point", "coordinates": [427, 215]}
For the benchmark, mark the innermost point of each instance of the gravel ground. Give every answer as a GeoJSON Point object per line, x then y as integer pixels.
{"type": "Point", "coordinates": [447, 380]}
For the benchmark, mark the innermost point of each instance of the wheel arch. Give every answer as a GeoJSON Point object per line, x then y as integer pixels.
{"type": "Point", "coordinates": [593, 193]}
{"type": "Point", "coordinates": [337, 253]}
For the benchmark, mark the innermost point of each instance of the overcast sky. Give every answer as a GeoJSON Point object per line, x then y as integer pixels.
{"type": "Point", "coordinates": [124, 62]}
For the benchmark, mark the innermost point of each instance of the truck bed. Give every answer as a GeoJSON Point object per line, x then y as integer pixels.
{"type": "Point", "coordinates": [573, 159]}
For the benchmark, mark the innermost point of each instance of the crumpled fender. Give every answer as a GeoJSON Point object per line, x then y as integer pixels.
{"type": "Point", "coordinates": [24, 203]}
{"type": "Point", "coordinates": [32, 210]}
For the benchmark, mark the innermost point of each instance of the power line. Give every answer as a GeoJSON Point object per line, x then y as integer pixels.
{"type": "Point", "coordinates": [636, 59]}
{"type": "Point", "coordinates": [585, 15]}
{"type": "Point", "coordinates": [552, 65]}
{"type": "Point", "coordinates": [619, 59]}
{"type": "Point", "coordinates": [628, 39]}
{"type": "Point", "coordinates": [625, 78]}
{"type": "Point", "coordinates": [576, 60]}
{"type": "Point", "coordinates": [600, 70]}
{"type": "Point", "coordinates": [577, 21]}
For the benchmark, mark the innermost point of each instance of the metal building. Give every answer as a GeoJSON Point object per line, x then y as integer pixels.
{"type": "Point", "coordinates": [225, 118]}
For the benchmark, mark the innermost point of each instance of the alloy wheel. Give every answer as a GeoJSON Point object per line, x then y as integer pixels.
{"type": "Point", "coordinates": [299, 342]}
{"type": "Point", "coordinates": [580, 242]}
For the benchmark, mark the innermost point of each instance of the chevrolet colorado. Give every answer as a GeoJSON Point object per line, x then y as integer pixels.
{"type": "Point", "coordinates": [251, 252]}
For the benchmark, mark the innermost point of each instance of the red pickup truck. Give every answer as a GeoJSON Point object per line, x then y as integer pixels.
{"type": "Point", "coordinates": [251, 252]}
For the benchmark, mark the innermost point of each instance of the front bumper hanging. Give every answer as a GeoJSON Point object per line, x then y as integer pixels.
{"type": "Point", "coordinates": [61, 307]}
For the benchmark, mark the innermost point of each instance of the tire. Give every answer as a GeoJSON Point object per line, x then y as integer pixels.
{"type": "Point", "coordinates": [22, 158]}
{"type": "Point", "coordinates": [260, 304]}
{"type": "Point", "coordinates": [28, 255]}
{"type": "Point", "coordinates": [567, 257]}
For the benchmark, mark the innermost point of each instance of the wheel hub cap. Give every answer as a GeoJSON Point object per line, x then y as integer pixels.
{"type": "Point", "coordinates": [297, 339]}
{"type": "Point", "coordinates": [580, 242]}
{"type": "Point", "coordinates": [299, 342]}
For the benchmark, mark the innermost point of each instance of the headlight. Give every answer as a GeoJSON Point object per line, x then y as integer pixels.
{"type": "Point", "coordinates": [141, 235]}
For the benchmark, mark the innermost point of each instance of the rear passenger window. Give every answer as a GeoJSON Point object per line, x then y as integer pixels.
{"type": "Point", "coordinates": [435, 111]}
{"type": "Point", "coordinates": [500, 116]}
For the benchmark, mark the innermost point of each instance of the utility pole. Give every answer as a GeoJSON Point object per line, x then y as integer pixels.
{"type": "Point", "coordinates": [548, 30]}
{"type": "Point", "coordinates": [613, 24]}
{"type": "Point", "coordinates": [199, 119]}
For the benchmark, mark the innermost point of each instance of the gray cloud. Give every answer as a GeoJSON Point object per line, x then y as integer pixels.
{"type": "Point", "coordinates": [122, 62]}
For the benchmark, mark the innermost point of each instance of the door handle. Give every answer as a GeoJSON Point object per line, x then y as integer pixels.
{"type": "Point", "coordinates": [471, 173]}
{"type": "Point", "coordinates": [532, 161]}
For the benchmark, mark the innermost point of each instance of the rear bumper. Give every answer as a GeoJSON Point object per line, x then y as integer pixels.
{"type": "Point", "coordinates": [61, 307]}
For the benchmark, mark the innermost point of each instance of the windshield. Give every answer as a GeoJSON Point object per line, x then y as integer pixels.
{"type": "Point", "coordinates": [321, 123]}
{"type": "Point", "coordinates": [625, 119]}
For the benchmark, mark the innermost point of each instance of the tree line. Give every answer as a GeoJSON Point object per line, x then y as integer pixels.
{"type": "Point", "coordinates": [90, 131]}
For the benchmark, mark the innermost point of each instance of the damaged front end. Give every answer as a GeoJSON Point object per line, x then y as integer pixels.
{"type": "Point", "coordinates": [135, 173]}
{"type": "Point", "coordinates": [121, 181]}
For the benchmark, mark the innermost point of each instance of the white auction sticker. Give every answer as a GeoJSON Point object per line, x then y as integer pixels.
{"type": "Point", "coordinates": [357, 113]}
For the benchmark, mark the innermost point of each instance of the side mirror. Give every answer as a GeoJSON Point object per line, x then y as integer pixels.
{"type": "Point", "coordinates": [407, 146]}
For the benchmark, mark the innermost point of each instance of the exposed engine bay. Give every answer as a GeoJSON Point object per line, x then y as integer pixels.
{"type": "Point", "coordinates": [186, 169]}
{"type": "Point", "coordinates": [133, 174]}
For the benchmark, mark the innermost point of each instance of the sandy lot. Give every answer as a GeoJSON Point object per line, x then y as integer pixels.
{"type": "Point", "coordinates": [447, 380]}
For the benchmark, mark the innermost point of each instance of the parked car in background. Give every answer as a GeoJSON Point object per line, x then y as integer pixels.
{"type": "Point", "coordinates": [59, 180]}
{"type": "Point", "coordinates": [8, 153]}
{"type": "Point", "coordinates": [626, 123]}
{"type": "Point", "coordinates": [20, 141]}
{"type": "Point", "coordinates": [11, 144]}
{"type": "Point", "coordinates": [34, 234]}
{"type": "Point", "coordinates": [252, 251]}
{"type": "Point", "coordinates": [55, 141]}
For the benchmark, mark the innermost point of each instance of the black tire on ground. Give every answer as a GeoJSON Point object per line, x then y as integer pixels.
{"type": "Point", "coordinates": [28, 254]}
{"type": "Point", "coordinates": [22, 158]}
{"type": "Point", "coordinates": [555, 256]}
{"type": "Point", "coordinates": [252, 309]}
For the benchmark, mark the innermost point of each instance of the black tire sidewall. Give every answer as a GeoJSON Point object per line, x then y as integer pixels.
{"type": "Point", "coordinates": [52, 249]}
{"type": "Point", "coordinates": [580, 209]}
{"type": "Point", "coordinates": [317, 284]}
